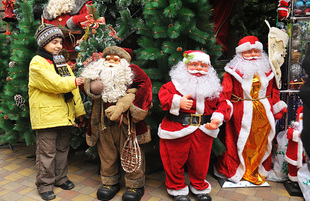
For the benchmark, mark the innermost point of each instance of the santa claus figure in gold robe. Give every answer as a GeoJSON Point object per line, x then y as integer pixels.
{"type": "Point", "coordinates": [249, 83]}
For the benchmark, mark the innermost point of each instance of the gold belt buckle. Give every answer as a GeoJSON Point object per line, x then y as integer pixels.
{"type": "Point", "coordinates": [191, 120]}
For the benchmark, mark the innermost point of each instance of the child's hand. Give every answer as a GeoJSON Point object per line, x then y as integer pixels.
{"type": "Point", "coordinates": [80, 122]}
{"type": "Point", "coordinates": [185, 102]}
{"type": "Point", "coordinates": [213, 125]}
{"type": "Point", "coordinates": [79, 81]}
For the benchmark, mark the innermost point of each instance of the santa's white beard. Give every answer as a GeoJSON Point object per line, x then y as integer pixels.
{"type": "Point", "coordinates": [59, 7]}
{"type": "Point", "coordinates": [205, 86]}
{"type": "Point", "coordinates": [248, 68]}
{"type": "Point", "coordinates": [115, 79]}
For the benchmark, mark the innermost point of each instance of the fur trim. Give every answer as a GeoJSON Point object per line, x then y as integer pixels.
{"type": "Point", "coordinates": [88, 92]}
{"type": "Point", "coordinates": [135, 183]}
{"type": "Point", "coordinates": [278, 107]}
{"type": "Point", "coordinates": [175, 106]}
{"type": "Point", "coordinates": [197, 192]}
{"type": "Point", "coordinates": [248, 46]}
{"type": "Point", "coordinates": [219, 116]}
{"type": "Point", "coordinates": [137, 113]}
{"type": "Point", "coordinates": [293, 178]}
{"type": "Point", "coordinates": [231, 108]}
{"type": "Point", "coordinates": [93, 136]}
{"type": "Point", "coordinates": [296, 137]}
{"type": "Point", "coordinates": [145, 137]}
{"type": "Point", "coordinates": [212, 133]}
{"type": "Point", "coordinates": [78, 6]}
{"type": "Point", "coordinates": [183, 191]}
{"type": "Point", "coordinates": [71, 25]}
{"type": "Point", "coordinates": [110, 180]}
{"type": "Point", "coordinates": [75, 10]}
{"type": "Point", "coordinates": [117, 51]}
{"type": "Point", "coordinates": [176, 134]}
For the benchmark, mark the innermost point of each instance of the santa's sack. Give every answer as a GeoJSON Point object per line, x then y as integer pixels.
{"type": "Point", "coordinates": [303, 176]}
{"type": "Point", "coordinates": [279, 171]}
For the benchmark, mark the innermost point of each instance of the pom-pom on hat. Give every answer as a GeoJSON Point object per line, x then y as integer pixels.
{"type": "Point", "coordinates": [46, 33]}
{"type": "Point", "coordinates": [196, 55]}
{"type": "Point", "coordinates": [248, 43]}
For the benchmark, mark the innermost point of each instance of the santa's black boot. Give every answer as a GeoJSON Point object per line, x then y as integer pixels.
{"type": "Point", "coordinates": [203, 197]}
{"type": "Point", "coordinates": [133, 194]}
{"type": "Point", "coordinates": [181, 198]}
{"type": "Point", "coordinates": [107, 192]}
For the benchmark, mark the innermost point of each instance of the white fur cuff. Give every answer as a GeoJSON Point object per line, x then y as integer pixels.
{"type": "Point", "coordinates": [183, 191]}
{"type": "Point", "coordinates": [278, 107]}
{"type": "Point", "coordinates": [175, 107]}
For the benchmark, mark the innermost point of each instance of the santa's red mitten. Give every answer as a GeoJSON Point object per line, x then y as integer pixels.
{"type": "Point", "coordinates": [83, 21]}
{"type": "Point", "coordinates": [283, 10]}
{"type": "Point", "coordinates": [280, 114]}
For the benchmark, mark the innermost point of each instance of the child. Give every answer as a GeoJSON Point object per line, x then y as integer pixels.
{"type": "Point", "coordinates": [195, 109]}
{"type": "Point", "coordinates": [55, 102]}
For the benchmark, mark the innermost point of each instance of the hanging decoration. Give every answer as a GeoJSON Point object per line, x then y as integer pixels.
{"type": "Point", "coordinates": [12, 64]}
{"type": "Point", "coordinates": [20, 102]}
{"type": "Point", "coordinates": [9, 15]}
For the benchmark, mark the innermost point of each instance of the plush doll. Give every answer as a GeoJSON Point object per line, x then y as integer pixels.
{"type": "Point", "coordinates": [283, 9]}
{"type": "Point", "coordinates": [122, 96]}
{"type": "Point", "coordinates": [250, 84]}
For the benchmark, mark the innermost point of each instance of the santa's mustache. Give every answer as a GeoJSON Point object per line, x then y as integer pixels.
{"type": "Point", "coordinates": [197, 71]}
{"type": "Point", "coordinates": [108, 64]}
{"type": "Point", "coordinates": [250, 58]}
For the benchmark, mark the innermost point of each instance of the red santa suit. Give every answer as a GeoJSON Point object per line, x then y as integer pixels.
{"type": "Point", "coordinates": [294, 152]}
{"type": "Point", "coordinates": [181, 143]}
{"type": "Point", "coordinates": [253, 114]}
{"type": "Point", "coordinates": [70, 23]}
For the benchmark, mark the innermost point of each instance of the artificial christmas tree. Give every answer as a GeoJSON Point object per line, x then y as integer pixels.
{"type": "Point", "coordinates": [169, 28]}
{"type": "Point", "coordinates": [14, 116]}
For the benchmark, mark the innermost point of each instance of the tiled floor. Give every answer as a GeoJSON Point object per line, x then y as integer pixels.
{"type": "Point", "coordinates": [17, 177]}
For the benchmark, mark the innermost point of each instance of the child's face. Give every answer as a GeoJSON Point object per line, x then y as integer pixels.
{"type": "Point", "coordinates": [54, 46]}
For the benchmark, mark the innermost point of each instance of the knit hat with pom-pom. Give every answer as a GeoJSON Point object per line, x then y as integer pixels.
{"type": "Point", "coordinates": [46, 33]}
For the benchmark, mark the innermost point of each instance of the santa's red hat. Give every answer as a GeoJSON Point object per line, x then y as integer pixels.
{"type": "Point", "coordinates": [196, 55]}
{"type": "Point", "coordinates": [248, 43]}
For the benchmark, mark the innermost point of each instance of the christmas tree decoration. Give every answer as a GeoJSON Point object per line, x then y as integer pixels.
{"type": "Point", "coordinates": [77, 49]}
{"type": "Point", "coordinates": [167, 29]}
{"type": "Point", "coordinates": [283, 9]}
{"type": "Point", "coordinates": [12, 64]}
{"type": "Point", "coordinates": [20, 102]}
{"type": "Point", "coordinates": [14, 119]}
{"type": "Point", "coordinates": [9, 15]}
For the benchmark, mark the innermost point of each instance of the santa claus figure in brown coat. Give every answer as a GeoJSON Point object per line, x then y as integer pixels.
{"type": "Point", "coordinates": [122, 96]}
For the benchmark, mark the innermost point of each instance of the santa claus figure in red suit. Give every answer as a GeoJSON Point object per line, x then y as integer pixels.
{"type": "Point", "coordinates": [70, 16]}
{"type": "Point", "coordinates": [249, 83]}
{"type": "Point", "coordinates": [195, 108]}
{"type": "Point", "coordinates": [294, 152]}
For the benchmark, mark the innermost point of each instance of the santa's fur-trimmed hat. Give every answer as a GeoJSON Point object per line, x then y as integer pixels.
{"type": "Point", "coordinates": [248, 43]}
{"type": "Point", "coordinates": [196, 55]}
{"type": "Point", "coordinates": [124, 53]}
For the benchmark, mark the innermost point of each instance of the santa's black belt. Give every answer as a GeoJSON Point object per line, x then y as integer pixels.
{"type": "Point", "coordinates": [189, 119]}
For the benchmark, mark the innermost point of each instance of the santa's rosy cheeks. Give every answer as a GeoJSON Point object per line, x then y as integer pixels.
{"type": "Point", "coordinates": [112, 58]}
{"type": "Point", "coordinates": [251, 54]}
{"type": "Point", "coordinates": [198, 68]}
